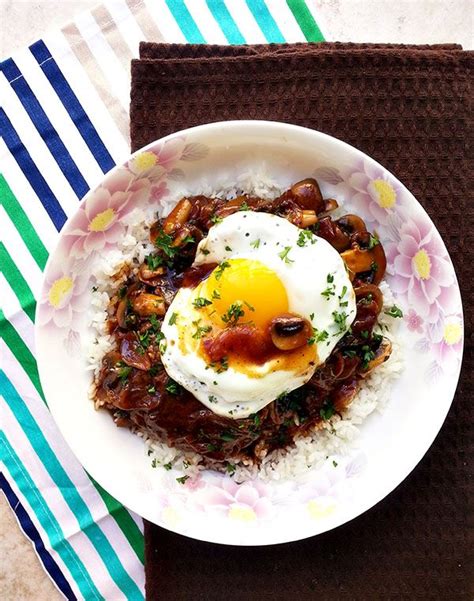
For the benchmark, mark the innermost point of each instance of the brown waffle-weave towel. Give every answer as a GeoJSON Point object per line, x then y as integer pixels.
{"type": "Point", "coordinates": [410, 109]}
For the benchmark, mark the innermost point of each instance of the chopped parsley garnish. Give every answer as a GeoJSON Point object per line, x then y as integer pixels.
{"type": "Point", "coordinates": [351, 353]}
{"type": "Point", "coordinates": [155, 326]}
{"type": "Point", "coordinates": [212, 447]}
{"type": "Point", "coordinates": [154, 369]}
{"type": "Point", "coordinates": [167, 466]}
{"type": "Point", "coordinates": [343, 292]}
{"type": "Point", "coordinates": [233, 314]}
{"type": "Point", "coordinates": [173, 318]}
{"type": "Point", "coordinates": [227, 436]}
{"type": "Point", "coordinates": [182, 479]}
{"type": "Point", "coordinates": [216, 219]}
{"type": "Point", "coordinates": [219, 366]}
{"type": "Point", "coordinates": [373, 241]}
{"type": "Point", "coordinates": [394, 311]}
{"type": "Point", "coordinates": [144, 339]}
{"type": "Point", "coordinates": [365, 334]}
{"type": "Point", "coordinates": [255, 243]}
{"type": "Point", "coordinates": [334, 463]}
{"type": "Point", "coordinates": [151, 389]}
{"type": "Point", "coordinates": [304, 237]}
{"type": "Point", "coordinates": [228, 249]}
{"type": "Point", "coordinates": [367, 356]}
{"type": "Point", "coordinates": [200, 302]}
{"type": "Point", "coordinates": [244, 206]}
{"type": "Point", "coordinates": [216, 295]}
{"type": "Point", "coordinates": [153, 262]}
{"type": "Point", "coordinates": [367, 299]}
{"type": "Point", "coordinates": [220, 270]}
{"type": "Point", "coordinates": [311, 316]}
{"type": "Point", "coordinates": [94, 288]}
{"type": "Point", "coordinates": [284, 255]}
{"type": "Point", "coordinates": [200, 330]}
{"type": "Point", "coordinates": [154, 463]}
{"type": "Point", "coordinates": [230, 468]}
{"type": "Point", "coordinates": [331, 288]}
{"type": "Point", "coordinates": [212, 398]}
{"type": "Point", "coordinates": [374, 267]}
{"type": "Point", "coordinates": [204, 251]}
{"type": "Point", "coordinates": [124, 372]}
{"type": "Point", "coordinates": [340, 320]}
{"type": "Point", "coordinates": [256, 420]}
{"type": "Point", "coordinates": [172, 387]}
{"type": "Point", "coordinates": [122, 291]}
{"type": "Point", "coordinates": [164, 243]}
{"type": "Point", "coordinates": [318, 336]}
{"type": "Point", "coordinates": [327, 410]}
{"type": "Point", "coordinates": [249, 306]}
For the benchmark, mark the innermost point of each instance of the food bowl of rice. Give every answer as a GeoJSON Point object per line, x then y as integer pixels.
{"type": "Point", "coordinates": [249, 333]}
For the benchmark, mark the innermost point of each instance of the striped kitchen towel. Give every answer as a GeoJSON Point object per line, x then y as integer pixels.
{"type": "Point", "coordinates": [63, 124]}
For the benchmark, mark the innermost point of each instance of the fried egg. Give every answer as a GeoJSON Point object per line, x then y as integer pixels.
{"type": "Point", "coordinates": [261, 266]}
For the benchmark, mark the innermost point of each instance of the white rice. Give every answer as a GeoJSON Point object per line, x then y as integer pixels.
{"type": "Point", "coordinates": [335, 438]}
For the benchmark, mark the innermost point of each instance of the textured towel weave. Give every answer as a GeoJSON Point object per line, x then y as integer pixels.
{"type": "Point", "coordinates": [409, 108]}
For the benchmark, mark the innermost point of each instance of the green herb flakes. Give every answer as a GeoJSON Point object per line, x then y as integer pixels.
{"type": "Point", "coordinates": [284, 255]}
{"type": "Point", "coordinates": [394, 311]}
{"type": "Point", "coordinates": [201, 302]}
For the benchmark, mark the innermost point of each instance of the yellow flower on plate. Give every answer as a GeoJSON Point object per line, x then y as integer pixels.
{"type": "Point", "coordinates": [320, 508]}
{"type": "Point", "coordinates": [102, 221]}
{"type": "Point", "coordinates": [242, 513]}
{"type": "Point", "coordinates": [59, 290]}
{"type": "Point", "coordinates": [452, 333]}
{"type": "Point", "coordinates": [144, 161]}
{"type": "Point", "coordinates": [170, 516]}
{"type": "Point", "coordinates": [385, 193]}
{"type": "Point", "coordinates": [422, 264]}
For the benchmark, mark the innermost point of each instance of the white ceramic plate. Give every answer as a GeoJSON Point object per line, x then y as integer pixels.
{"type": "Point", "coordinates": [391, 443]}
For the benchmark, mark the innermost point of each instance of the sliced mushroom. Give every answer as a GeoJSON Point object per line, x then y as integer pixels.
{"type": "Point", "coordinates": [147, 275]}
{"type": "Point", "coordinates": [178, 216]}
{"type": "Point", "coordinates": [121, 313]}
{"type": "Point", "coordinates": [372, 292]}
{"type": "Point", "coordinates": [289, 331]}
{"type": "Point", "coordinates": [330, 231]}
{"type": "Point", "coordinates": [351, 223]}
{"type": "Point", "coordinates": [361, 258]}
{"type": "Point", "coordinates": [133, 354]}
{"type": "Point", "coordinates": [382, 354]}
{"type": "Point", "coordinates": [146, 304]}
{"type": "Point", "coordinates": [330, 204]}
{"type": "Point", "coordinates": [302, 218]}
{"type": "Point", "coordinates": [307, 195]}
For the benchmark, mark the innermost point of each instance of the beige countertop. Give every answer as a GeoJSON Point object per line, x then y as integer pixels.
{"type": "Point", "coordinates": [405, 21]}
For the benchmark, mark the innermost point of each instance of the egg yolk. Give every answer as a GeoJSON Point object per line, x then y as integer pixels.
{"type": "Point", "coordinates": [243, 291]}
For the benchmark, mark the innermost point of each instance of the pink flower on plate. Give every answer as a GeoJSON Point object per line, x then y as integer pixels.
{"type": "Point", "coordinates": [63, 297]}
{"type": "Point", "coordinates": [420, 268]}
{"type": "Point", "coordinates": [374, 192]}
{"type": "Point", "coordinates": [154, 163]}
{"type": "Point", "coordinates": [243, 502]}
{"type": "Point", "coordinates": [445, 342]}
{"type": "Point", "coordinates": [158, 191]}
{"type": "Point", "coordinates": [414, 321]}
{"type": "Point", "coordinates": [98, 224]}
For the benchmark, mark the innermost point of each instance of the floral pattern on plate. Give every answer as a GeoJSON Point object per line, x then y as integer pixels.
{"type": "Point", "coordinates": [420, 274]}
{"type": "Point", "coordinates": [419, 270]}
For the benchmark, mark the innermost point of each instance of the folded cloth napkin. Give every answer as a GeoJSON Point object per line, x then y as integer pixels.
{"type": "Point", "coordinates": [409, 108]}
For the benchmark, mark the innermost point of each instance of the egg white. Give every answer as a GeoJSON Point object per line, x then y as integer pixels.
{"type": "Point", "coordinates": [303, 270]}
